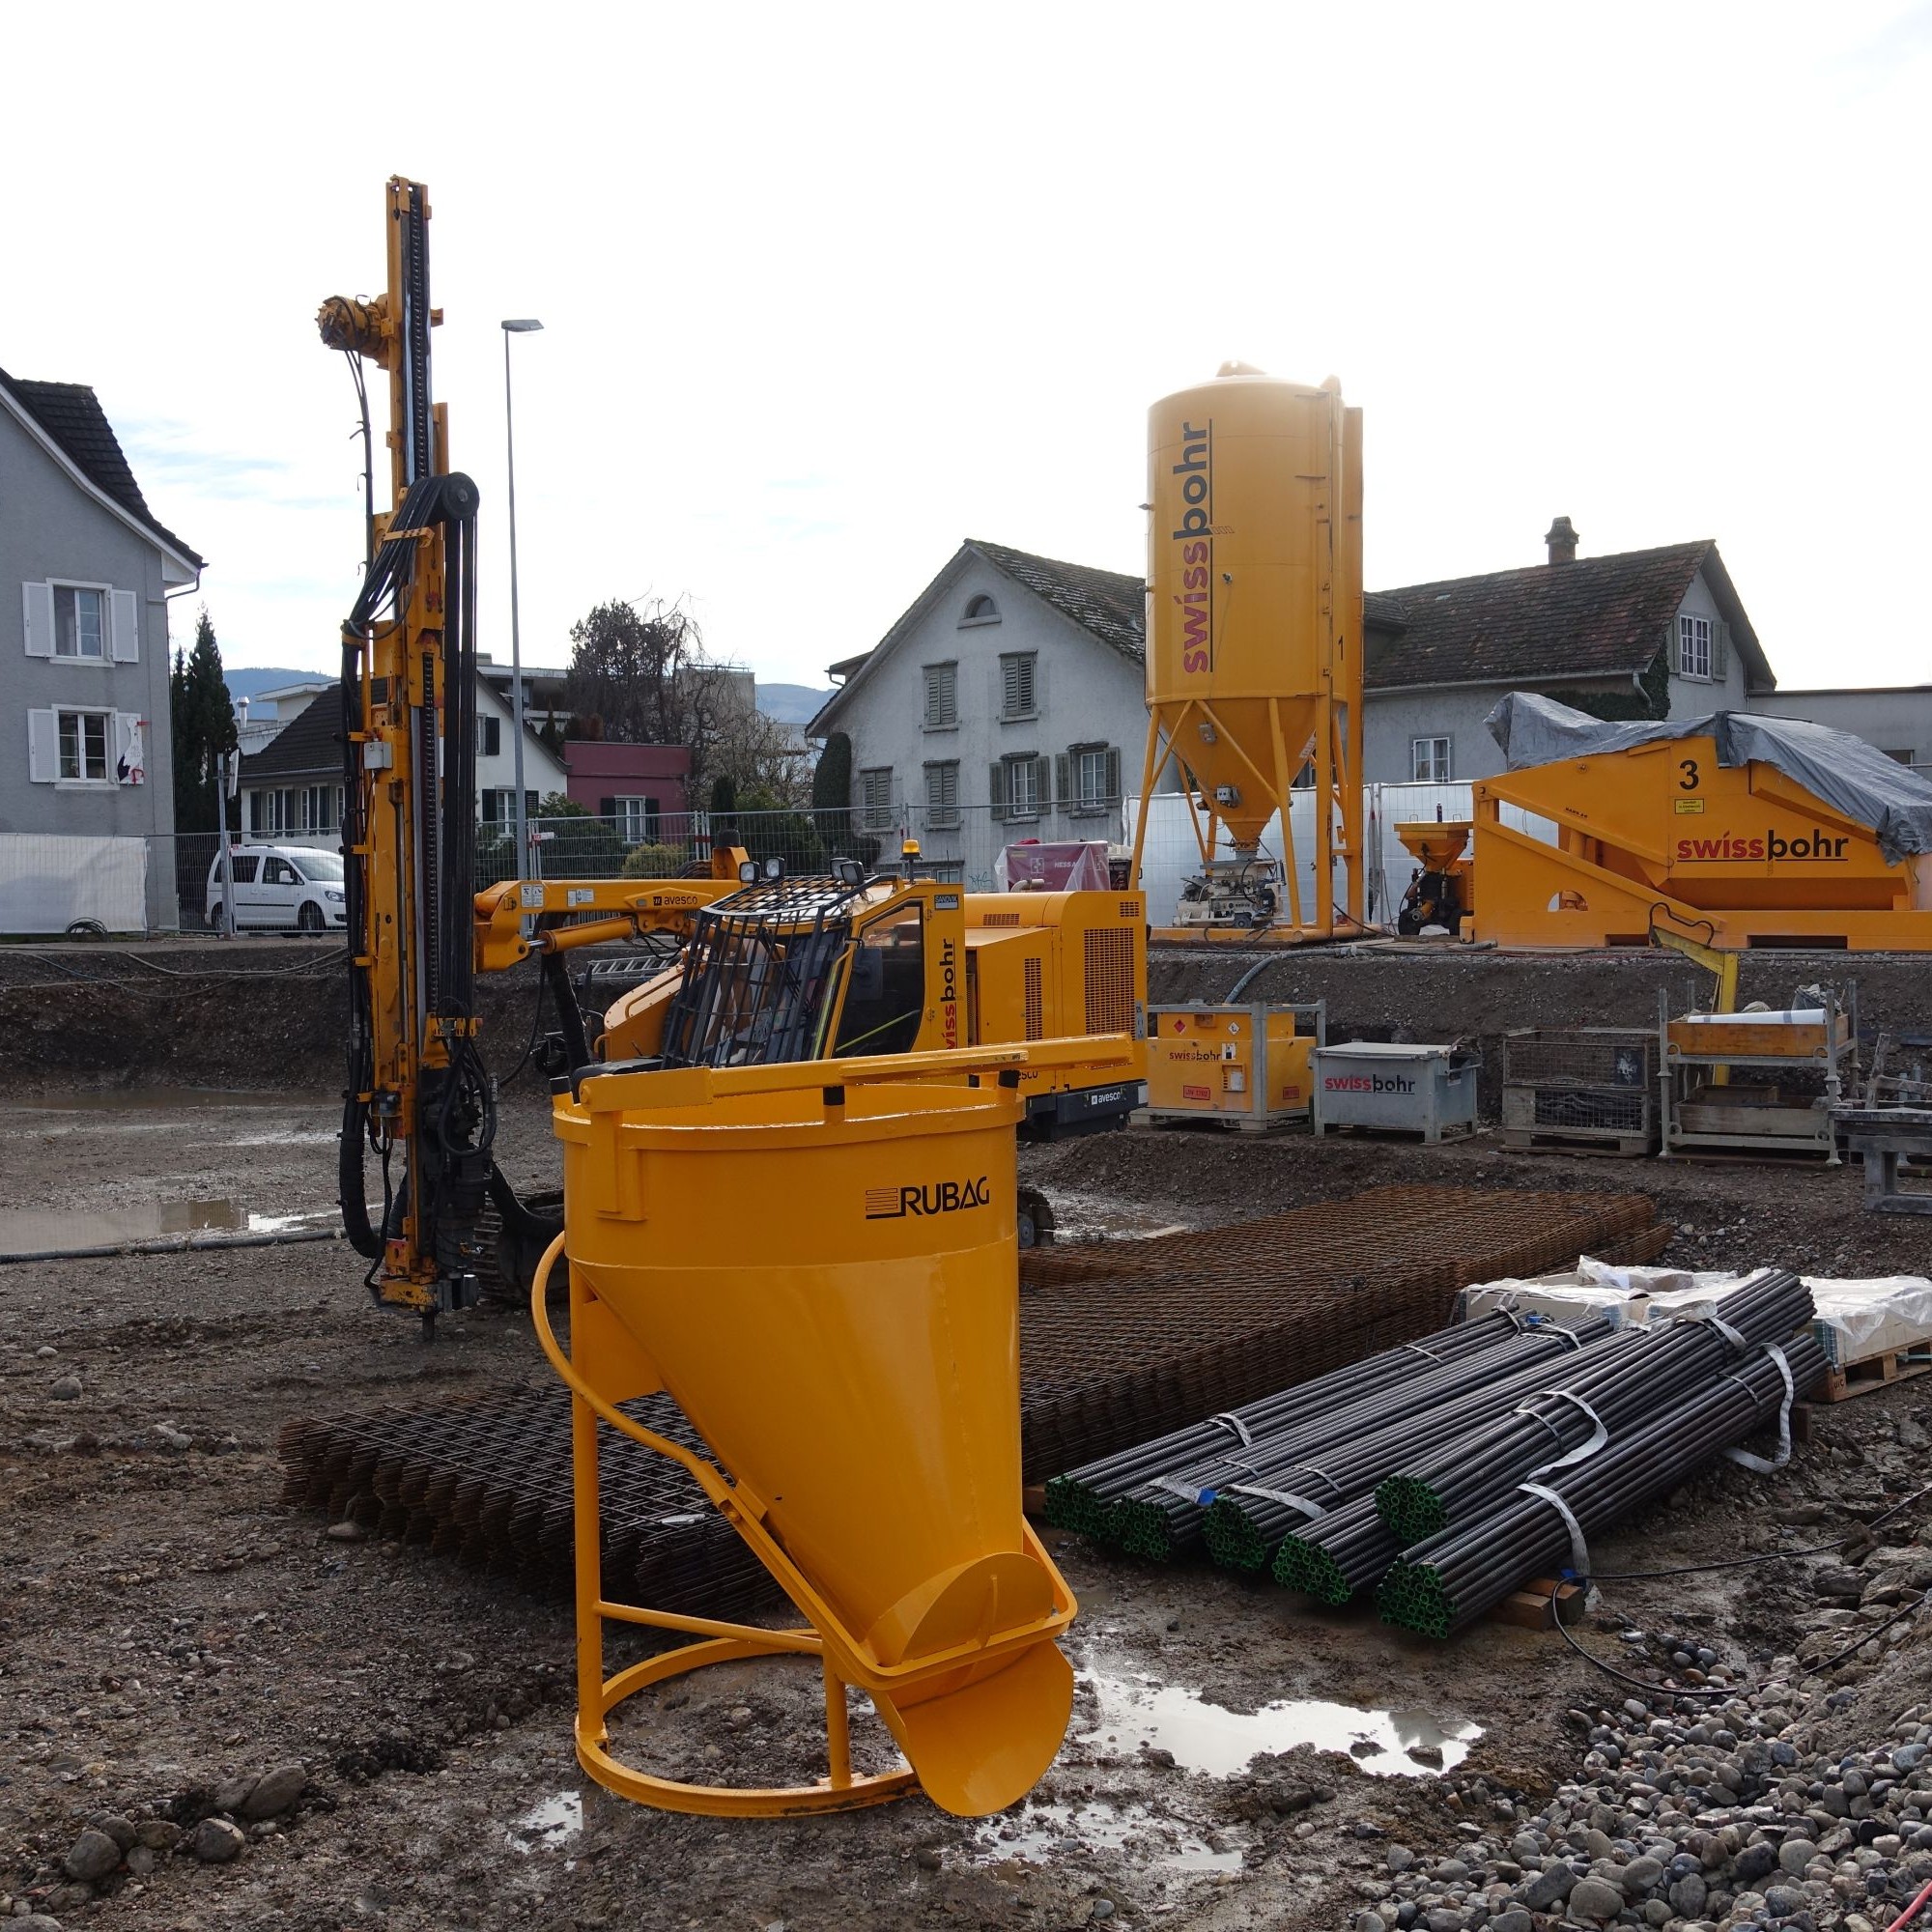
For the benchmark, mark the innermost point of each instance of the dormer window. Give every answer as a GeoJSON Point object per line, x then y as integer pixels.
{"type": "Point", "coordinates": [981, 609]}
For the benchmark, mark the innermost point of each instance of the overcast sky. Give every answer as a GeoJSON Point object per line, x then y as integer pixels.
{"type": "Point", "coordinates": [825, 290]}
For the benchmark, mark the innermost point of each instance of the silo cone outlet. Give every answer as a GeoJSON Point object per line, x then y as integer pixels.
{"type": "Point", "coordinates": [826, 1280]}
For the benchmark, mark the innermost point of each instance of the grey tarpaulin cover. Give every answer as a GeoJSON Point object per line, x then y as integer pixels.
{"type": "Point", "coordinates": [1851, 777]}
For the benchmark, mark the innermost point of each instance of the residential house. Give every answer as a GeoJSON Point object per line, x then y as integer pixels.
{"type": "Point", "coordinates": [1895, 718]}
{"type": "Point", "coordinates": [1013, 687]}
{"type": "Point", "coordinates": [84, 645]}
{"type": "Point", "coordinates": [263, 715]}
{"type": "Point", "coordinates": [292, 789]}
{"type": "Point", "coordinates": [642, 789]}
{"type": "Point", "coordinates": [1643, 633]}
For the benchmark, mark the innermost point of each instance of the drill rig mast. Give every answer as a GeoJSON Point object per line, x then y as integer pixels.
{"type": "Point", "coordinates": [418, 1094]}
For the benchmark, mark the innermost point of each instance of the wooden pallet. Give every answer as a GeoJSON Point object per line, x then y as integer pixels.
{"type": "Point", "coordinates": [1576, 1140]}
{"type": "Point", "coordinates": [1874, 1372]}
{"type": "Point", "coordinates": [1531, 1609]}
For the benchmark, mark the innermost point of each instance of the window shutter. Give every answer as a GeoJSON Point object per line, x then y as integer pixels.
{"type": "Point", "coordinates": [38, 600]}
{"type": "Point", "coordinates": [1062, 776]}
{"type": "Point", "coordinates": [996, 788]}
{"type": "Point", "coordinates": [1720, 650]}
{"type": "Point", "coordinates": [43, 742]}
{"type": "Point", "coordinates": [1113, 775]}
{"type": "Point", "coordinates": [606, 807]}
{"type": "Point", "coordinates": [124, 618]}
{"type": "Point", "coordinates": [1677, 645]}
{"type": "Point", "coordinates": [130, 757]}
{"type": "Point", "coordinates": [1009, 685]}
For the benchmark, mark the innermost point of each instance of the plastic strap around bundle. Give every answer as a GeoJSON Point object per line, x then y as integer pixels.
{"type": "Point", "coordinates": [1762, 1466]}
{"type": "Point", "coordinates": [1579, 1550]}
{"type": "Point", "coordinates": [1416, 1348]}
{"type": "Point", "coordinates": [1240, 1428]}
{"type": "Point", "coordinates": [1730, 1334]}
{"type": "Point", "coordinates": [1599, 1434]}
{"type": "Point", "coordinates": [1186, 1491]}
{"type": "Point", "coordinates": [1287, 1497]}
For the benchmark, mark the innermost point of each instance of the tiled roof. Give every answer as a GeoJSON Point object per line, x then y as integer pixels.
{"type": "Point", "coordinates": [71, 413]}
{"type": "Point", "coordinates": [307, 746]}
{"type": "Point", "coordinates": [1112, 605]}
{"type": "Point", "coordinates": [1598, 616]}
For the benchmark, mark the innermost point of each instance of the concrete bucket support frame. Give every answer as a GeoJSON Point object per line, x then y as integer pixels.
{"type": "Point", "coordinates": [850, 1352]}
{"type": "Point", "coordinates": [1254, 647]}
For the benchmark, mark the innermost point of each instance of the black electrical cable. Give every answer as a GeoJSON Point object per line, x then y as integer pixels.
{"type": "Point", "coordinates": [1666, 1691]}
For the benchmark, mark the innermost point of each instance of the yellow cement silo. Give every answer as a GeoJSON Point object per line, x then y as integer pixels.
{"type": "Point", "coordinates": [1254, 658]}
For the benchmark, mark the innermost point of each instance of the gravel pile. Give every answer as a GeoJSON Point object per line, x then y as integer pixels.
{"type": "Point", "coordinates": [1793, 1804]}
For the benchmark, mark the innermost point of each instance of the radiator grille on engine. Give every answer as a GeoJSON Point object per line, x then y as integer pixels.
{"type": "Point", "coordinates": [1110, 981]}
{"type": "Point", "coordinates": [1036, 1005]}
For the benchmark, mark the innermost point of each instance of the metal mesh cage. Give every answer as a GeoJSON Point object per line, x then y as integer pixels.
{"type": "Point", "coordinates": [1558, 1057]}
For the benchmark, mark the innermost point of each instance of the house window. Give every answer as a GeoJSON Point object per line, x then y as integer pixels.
{"type": "Point", "coordinates": [1428, 760]}
{"type": "Point", "coordinates": [489, 737]}
{"type": "Point", "coordinates": [942, 695]}
{"type": "Point", "coordinates": [80, 622]}
{"type": "Point", "coordinates": [981, 609]}
{"type": "Point", "coordinates": [319, 808]}
{"type": "Point", "coordinates": [1016, 685]}
{"type": "Point", "coordinates": [636, 820]}
{"type": "Point", "coordinates": [1020, 787]}
{"type": "Point", "coordinates": [83, 746]}
{"type": "Point", "coordinates": [1090, 778]}
{"type": "Point", "coordinates": [875, 798]}
{"type": "Point", "coordinates": [942, 793]}
{"type": "Point", "coordinates": [1904, 757]}
{"type": "Point", "coordinates": [1693, 646]}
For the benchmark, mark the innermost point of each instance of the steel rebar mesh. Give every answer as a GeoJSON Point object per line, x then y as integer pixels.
{"type": "Point", "coordinates": [1124, 1341]}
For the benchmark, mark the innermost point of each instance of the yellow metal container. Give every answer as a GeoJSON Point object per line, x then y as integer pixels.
{"type": "Point", "coordinates": [1738, 855]}
{"type": "Point", "coordinates": [1244, 1067]}
{"type": "Point", "coordinates": [1254, 663]}
{"type": "Point", "coordinates": [819, 1262]}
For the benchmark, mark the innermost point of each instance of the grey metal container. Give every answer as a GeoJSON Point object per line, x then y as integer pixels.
{"type": "Point", "coordinates": [1416, 1089]}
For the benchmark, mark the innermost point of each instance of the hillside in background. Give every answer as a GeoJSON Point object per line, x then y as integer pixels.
{"type": "Point", "coordinates": [790, 703]}
{"type": "Point", "coordinates": [245, 680]}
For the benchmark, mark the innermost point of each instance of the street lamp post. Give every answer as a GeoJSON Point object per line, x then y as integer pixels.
{"type": "Point", "coordinates": [524, 325]}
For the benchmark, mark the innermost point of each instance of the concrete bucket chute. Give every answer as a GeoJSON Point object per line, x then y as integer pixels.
{"type": "Point", "coordinates": [819, 1262]}
{"type": "Point", "coordinates": [1254, 645]}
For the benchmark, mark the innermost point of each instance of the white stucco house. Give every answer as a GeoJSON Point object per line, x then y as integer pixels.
{"type": "Point", "coordinates": [1007, 703]}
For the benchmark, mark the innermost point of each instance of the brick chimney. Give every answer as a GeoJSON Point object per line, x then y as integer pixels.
{"type": "Point", "coordinates": [1561, 537]}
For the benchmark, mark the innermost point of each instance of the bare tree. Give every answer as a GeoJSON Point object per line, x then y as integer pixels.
{"type": "Point", "coordinates": [644, 674]}
{"type": "Point", "coordinates": [764, 757]}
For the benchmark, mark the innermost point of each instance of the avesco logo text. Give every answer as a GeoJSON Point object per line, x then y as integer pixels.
{"type": "Point", "coordinates": [938, 1196]}
{"type": "Point", "coordinates": [949, 993]}
{"type": "Point", "coordinates": [1196, 537]}
{"type": "Point", "coordinates": [1731, 845]}
{"type": "Point", "coordinates": [1367, 1083]}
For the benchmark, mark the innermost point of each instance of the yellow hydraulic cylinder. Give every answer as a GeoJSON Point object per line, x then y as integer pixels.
{"type": "Point", "coordinates": [818, 1261]}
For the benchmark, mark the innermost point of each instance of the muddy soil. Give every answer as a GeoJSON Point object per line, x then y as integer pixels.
{"type": "Point", "coordinates": [167, 1625]}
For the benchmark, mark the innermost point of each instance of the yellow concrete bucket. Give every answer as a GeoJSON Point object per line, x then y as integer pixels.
{"type": "Point", "coordinates": [817, 1260]}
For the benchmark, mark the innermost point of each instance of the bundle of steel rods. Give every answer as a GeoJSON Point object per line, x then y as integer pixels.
{"type": "Point", "coordinates": [1602, 1397]}
{"type": "Point", "coordinates": [1124, 1341]}
{"type": "Point", "coordinates": [1265, 1478]}
{"type": "Point", "coordinates": [1083, 1498]}
{"type": "Point", "coordinates": [1442, 1584]}
{"type": "Point", "coordinates": [1331, 1465]}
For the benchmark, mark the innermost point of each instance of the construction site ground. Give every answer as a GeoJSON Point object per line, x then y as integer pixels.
{"type": "Point", "coordinates": [167, 1625]}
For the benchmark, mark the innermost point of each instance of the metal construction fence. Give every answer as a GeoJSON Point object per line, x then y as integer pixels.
{"type": "Point", "coordinates": [52, 884]}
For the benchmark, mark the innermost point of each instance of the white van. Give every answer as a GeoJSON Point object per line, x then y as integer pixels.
{"type": "Point", "coordinates": [281, 888]}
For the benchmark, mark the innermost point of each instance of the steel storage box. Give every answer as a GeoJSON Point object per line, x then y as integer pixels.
{"type": "Point", "coordinates": [1417, 1090]}
{"type": "Point", "coordinates": [1575, 1088]}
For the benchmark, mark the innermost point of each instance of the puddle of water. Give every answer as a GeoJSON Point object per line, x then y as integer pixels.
{"type": "Point", "coordinates": [1137, 1710]}
{"type": "Point", "coordinates": [546, 1826]}
{"type": "Point", "coordinates": [25, 1231]}
{"type": "Point", "coordinates": [1045, 1834]}
{"type": "Point", "coordinates": [130, 1099]}
{"type": "Point", "coordinates": [1081, 1217]}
